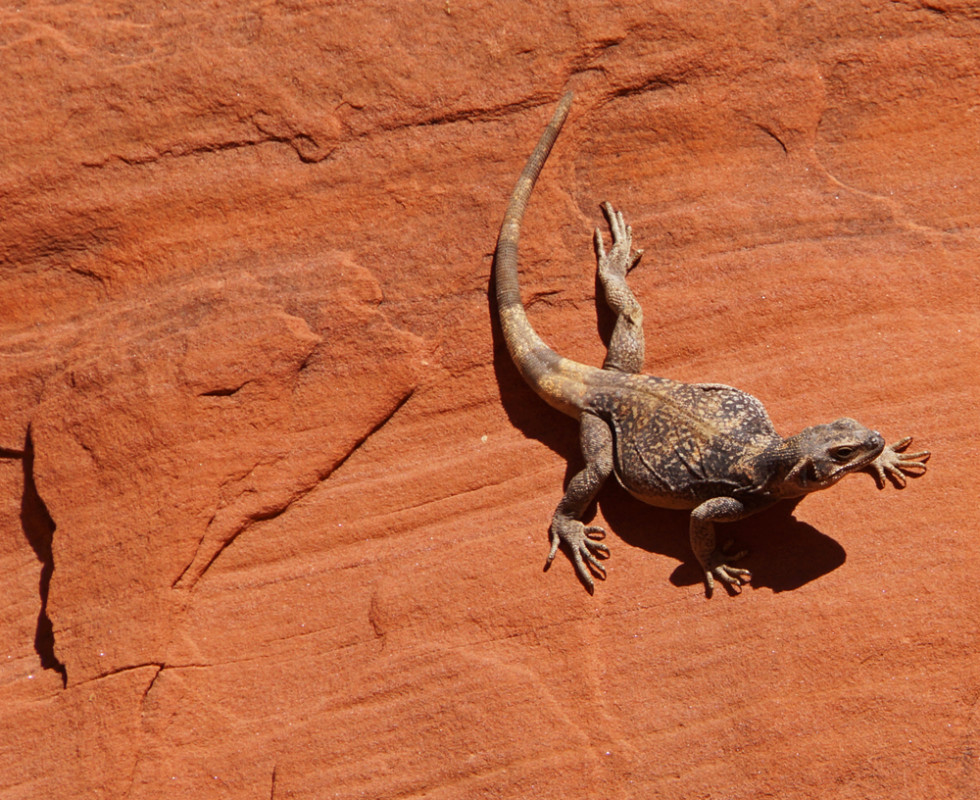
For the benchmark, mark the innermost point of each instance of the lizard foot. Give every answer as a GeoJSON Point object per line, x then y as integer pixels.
{"type": "Point", "coordinates": [583, 546]}
{"type": "Point", "coordinates": [894, 463]}
{"type": "Point", "coordinates": [717, 567]}
{"type": "Point", "coordinates": [621, 259]}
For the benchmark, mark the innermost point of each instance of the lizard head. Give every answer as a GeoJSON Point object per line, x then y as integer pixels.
{"type": "Point", "coordinates": [823, 454]}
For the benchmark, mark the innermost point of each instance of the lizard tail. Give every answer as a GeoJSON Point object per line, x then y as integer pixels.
{"type": "Point", "coordinates": [540, 366]}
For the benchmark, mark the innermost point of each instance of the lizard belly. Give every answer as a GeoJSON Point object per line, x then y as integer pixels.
{"type": "Point", "coordinates": [657, 498]}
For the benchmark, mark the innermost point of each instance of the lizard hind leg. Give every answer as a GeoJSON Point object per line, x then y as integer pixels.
{"type": "Point", "coordinates": [626, 346]}
{"type": "Point", "coordinates": [580, 540]}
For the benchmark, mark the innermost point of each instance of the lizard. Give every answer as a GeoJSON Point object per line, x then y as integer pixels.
{"type": "Point", "coordinates": [706, 447]}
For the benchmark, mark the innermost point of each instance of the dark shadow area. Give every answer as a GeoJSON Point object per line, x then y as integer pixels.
{"type": "Point", "coordinates": [39, 530]}
{"type": "Point", "coordinates": [784, 553]}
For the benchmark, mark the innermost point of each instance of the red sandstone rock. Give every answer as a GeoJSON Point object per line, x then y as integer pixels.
{"type": "Point", "coordinates": [274, 503]}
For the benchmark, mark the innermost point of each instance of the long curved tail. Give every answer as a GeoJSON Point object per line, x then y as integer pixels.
{"type": "Point", "coordinates": [544, 370]}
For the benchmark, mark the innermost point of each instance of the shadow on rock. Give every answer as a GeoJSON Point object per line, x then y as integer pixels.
{"type": "Point", "coordinates": [39, 531]}
{"type": "Point", "coordinates": [784, 553]}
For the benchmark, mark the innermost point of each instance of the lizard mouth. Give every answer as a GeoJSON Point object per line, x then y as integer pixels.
{"type": "Point", "coordinates": [859, 463]}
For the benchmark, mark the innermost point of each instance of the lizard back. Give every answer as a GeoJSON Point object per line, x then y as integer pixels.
{"type": "Point", "coordinates": [676, 444]}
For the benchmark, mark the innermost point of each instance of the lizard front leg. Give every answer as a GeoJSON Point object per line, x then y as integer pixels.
{"type": "Point", "coordinates": [714, 561]}
{"type": "Point", "coordinates": [566, 526]}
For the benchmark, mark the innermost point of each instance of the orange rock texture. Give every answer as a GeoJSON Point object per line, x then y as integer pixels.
{"type": "Point", "coordinates": [273, 501]}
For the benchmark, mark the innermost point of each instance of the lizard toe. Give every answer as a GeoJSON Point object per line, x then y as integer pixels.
{"type": "Point", "coordinates": [733, 578]}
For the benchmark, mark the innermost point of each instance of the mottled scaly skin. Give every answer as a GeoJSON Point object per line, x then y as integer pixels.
{"type": "Point", "coordinates": [705, 447]}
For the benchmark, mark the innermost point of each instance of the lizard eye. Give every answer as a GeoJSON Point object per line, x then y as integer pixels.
{"type": "Point", "coordinates": [842, 453]}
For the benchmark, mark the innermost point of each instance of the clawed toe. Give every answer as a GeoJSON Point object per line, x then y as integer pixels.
{"type": "Point", "coordinates": [600, 247]}
{"type": "Point", "coordinates": [634, 260]}
{"type": "Point", "coordinates": [584, 548]}
{"type": "Point", "coordinates": [621, 258]}
{"type": "Point", "coordinates": [719, 566]}
{"type": "Point", "coordinates": [733, 578]}
{"type": "Point", "coordinates": [895, 464]}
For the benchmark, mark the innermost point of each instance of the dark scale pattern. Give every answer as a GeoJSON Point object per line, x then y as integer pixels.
{"type": "Point", "coordinates": [678, 444]}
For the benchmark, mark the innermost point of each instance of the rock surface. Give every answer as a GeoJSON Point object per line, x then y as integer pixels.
{"type": "Point", "coordinates": [273, 502]}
